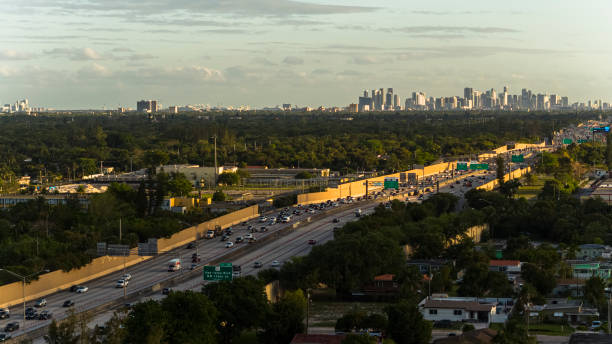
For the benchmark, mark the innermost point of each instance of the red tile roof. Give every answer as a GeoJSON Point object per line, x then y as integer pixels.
{"type": "Point", "coordinates": [301, 338]}
{"type": "Point", "coordinates": [385, 277]}
{"type": "Point", "coordinates": [504, 262]}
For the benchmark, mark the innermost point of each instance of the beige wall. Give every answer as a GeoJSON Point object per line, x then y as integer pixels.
{"type": "Point", "coordinates": [357, 188]}
{"type": "Point", "coordinates": [54, 281]}
{"type": "Point", "coordinates": [513, 175]}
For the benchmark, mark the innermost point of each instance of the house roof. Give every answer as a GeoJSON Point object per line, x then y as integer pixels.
{"type": "Point", "coordinates": [301, 338]}
{"type": "Point", "coordinates": [454, 304]}
{"type": "Point", "coordinates": [504, 262]}
{"type": "Point", "coordinates": [385, 277]}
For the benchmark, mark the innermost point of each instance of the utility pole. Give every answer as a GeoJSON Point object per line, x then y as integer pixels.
{"type": "Point", "coordinates": [120, 229]}
{"type": "Point", "coordinates": [216, 169]}
{"type": "Point", "coordinates": [307, 309]}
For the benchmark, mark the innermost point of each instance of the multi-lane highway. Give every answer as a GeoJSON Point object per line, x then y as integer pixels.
{"type": "Point", "coordinates": [294, 243]}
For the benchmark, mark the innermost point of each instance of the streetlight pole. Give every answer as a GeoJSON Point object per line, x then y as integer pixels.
{"type": "Point", "coordinates": [23, 278]}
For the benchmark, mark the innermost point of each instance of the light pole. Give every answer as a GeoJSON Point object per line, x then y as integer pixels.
{"type": "Point", "coordinates": [23, 278]}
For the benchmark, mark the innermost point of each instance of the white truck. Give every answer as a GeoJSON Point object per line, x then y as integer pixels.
{"type": "Point", "coordinates": [174, 264]}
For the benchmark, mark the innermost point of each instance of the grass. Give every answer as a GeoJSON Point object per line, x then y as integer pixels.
{"type": "Point", "coordinates": [532, 190]}
{"type": "Point", "coordinates": [551, 329]}
{"type": "Point", "coordinates": [325, 313]}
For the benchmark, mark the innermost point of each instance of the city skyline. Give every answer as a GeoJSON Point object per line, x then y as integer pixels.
{"type": "Point", "coordinates": [65, 54]}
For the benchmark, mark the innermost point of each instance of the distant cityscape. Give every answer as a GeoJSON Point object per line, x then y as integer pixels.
{"type": "Point", "coordinates": [378, 100]}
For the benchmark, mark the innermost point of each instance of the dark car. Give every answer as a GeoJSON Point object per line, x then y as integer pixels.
{"type": "Point", "coordinates": [263, 229]}
{"type": "Point", "coordinates": [4, 313]}
{"type": "Point", "coordinates": [336, 220]}
{"type": "Point", "coordinates": [74, 288]}
{"type": "Point", "coordinates": [166, 291]}
{"type": "Point", "coordinates": [312, 242]}
{"type": "Point", "coordinates": [30, 310]}
{"type": "Point", "coordinates": [45, 315]}
{"type": "Point", "coordinates": [239, 239]}
{"type": "Point", "coordinates": [4, 337]}
{"type": "Point", "coordinates": [68, 303]}
{"type": "Point", "coordinates": [191, 246]}
{"type": "Point", "coordinates": [228, 231]}
{"type": "Point", "coordinates": [31, 316]}
{"type": "Point", "coordinates": [10, 327]}
{"type": "Point", "coordinates": [257, 265]}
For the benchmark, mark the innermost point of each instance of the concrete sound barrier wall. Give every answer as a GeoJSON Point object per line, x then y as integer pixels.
{"type": "Point", "coordinates": [11, 294]}
{"type": "Point", "coordinates": [512, 175]}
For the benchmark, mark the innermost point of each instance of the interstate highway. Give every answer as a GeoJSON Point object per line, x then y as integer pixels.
{"type": "Point", "coordinates": [153, 271]}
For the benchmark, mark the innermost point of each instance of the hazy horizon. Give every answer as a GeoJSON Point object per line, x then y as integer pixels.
{"type": "Point", "coordinates": [76, 54]}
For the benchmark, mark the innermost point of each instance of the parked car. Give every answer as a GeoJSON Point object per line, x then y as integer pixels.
{"type": "Point", "coordinates": [68, 303]}
{"type": "Point", "coordinates": [81, 290]}
{"type": "Point", "coordinates": [40, 303]}
{"type": "Point", "coordinates": [12, 326]}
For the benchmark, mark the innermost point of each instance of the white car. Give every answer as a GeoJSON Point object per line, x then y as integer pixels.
{"type": "Point", "coordinates": [121, 283]}
{"type": "Point", "coordinates": [248, 236]}
{"type": "Point", "coordinates": [286, 219]}
{"type": "Point", "coordinates": [275, 264]}
{"type": "Point", "coordinates": [263, 219]}
{"type": "Point", "coordinates": [312, 211]}
{"type": "Point", "coordinates": [126, 277]}
{"type": "Point", "coordinates": [229, 244]}
{"type": "Point", "coordinates": [81, 290]}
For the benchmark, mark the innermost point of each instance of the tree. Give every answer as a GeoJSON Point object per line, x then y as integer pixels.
{"type": "Point", "coordinates": [285, 319]}
{"type": "Point", "coordinates": [228, 178]}
{"type": "Point", "coordinates": [304, 175]}
{"type": "Point", "coordinates": [543, 280]}
{"type": "Point", "coordinates": [500, 169]}
{"type": "Point", "coordinates": [179, 185]}
{"type": "Point", "coordinates": [241, 303]}
{"type": "Point", "coordinates": [219, 196]}
{"type": "Point", "coordinates": [191, 318]}
{"type": "Point", "coordinates": [510, 188]}
{"type": "Point", "coordinates": [594, 292]}
{"type": "Point", "coordinates": [146, 323]}
{"type": "Point", "coordinates": [406, 324]}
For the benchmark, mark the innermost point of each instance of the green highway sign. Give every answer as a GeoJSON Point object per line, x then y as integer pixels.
{"type": "Point", "coordinates": [462, 166]}
{"type": "Point", "coordinates": [567, 141]}
{"type": "Point", "coordinates": [223, 272]}
{"type": "Point", "coordinates": [391, 183]}
{"type": "Point", "coordinates": [479, 166]}
{"type": "Point", "coordinates": [518, 158]}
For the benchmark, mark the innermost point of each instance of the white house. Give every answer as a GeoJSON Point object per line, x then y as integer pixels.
{"type": "Point", "coordinates": [457, 310]}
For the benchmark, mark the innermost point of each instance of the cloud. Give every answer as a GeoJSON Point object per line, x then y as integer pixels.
{"type": "Point", "coordinates": [10, 54]}
{"type": "Point", "coordinates": [321, 71]}
{"type": "Point", "coordinates": [450, 29]}
{"type": "Point", "coordinates": [75, 54]}
{"type": "Point", "coordinates": [293, 60]}
{"type": "Point", "coordinates": [122, 8]}
{"type": "Point", "coordinates": [263, 61]}
{"type": "Point", "coordinates": [123, 50]}
{"type": "Point", "coordinates": [226, 31]}
{"type": "Point", "coordinates": [364, 60]}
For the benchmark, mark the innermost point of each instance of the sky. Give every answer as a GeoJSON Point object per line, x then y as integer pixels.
{"type": "Point", "coordinates": [83, 54]}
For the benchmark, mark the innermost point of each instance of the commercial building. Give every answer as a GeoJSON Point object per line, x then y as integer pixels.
{"type": "Point", "coordinates": [197, 175]}
{"type": "Point", "coordinates": [586, 269]}
{"type": "Point", "coordinates": [147, 106]}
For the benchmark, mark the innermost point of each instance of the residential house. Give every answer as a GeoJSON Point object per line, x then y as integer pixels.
{"type": "Point", "coordinates": [569, 287]}
{"type": "Point", "coordinates": [590, 251]}
{"type": "Point", "coordinates": [382, 285]}
{"type": "Point", "coordinates": [512, 268]}
{"type": "Point", "coordinates": [456, 310]}
{"type": "Point", "coordinates": [572, 311]}
{"type": "Point", "coordinates": [586, 269]}
{"type": "Point", "coordinates": [427, 266]}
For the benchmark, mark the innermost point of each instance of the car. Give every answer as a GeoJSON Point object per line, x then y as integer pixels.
{"type": "Point", "coordinates": [126, 277]}
{"type": "Point", "coordinates": [121, 283]}
{"type": "Point", "coordinates": [191, 246]}
{"type": "Point", "coordinates": [4, 337]}
{"type": "Point", "coordinates": [229, 231]}
{"type": "Point", "coordinates": [263, 229]}
{"type": "Point", "coordinates": [225, 237]}
{"type": "Point", "coordinates": [263, 219]}
{"type": "Point", "coordinates": [74, 288]}
{"type": "Point", "coordinates": [275, 264]}
{"type": "Point", "coordinates": [5, 313]}
{"type": "Point", "coordinates": [595, 325]}
{"type": "Point", "coordinates": [336, 220]}
{"type": "Point", "coordinates": [12, 326]}
{"type": "Point", "coordinates": [252, 240]}
{"type": "Point", "coordinates": [286, 219]}
{"type": "Point", "coordinates": [229, 244]}
{"type": "Point", "coordinates": [68, 303]}
{"type": "Point", "coordinates": [239, 239]}
{"type": "Point", "coordinates": [257, 265]}
{"type": "Point", "coordinates": [248, 236]}
{"type": "Point", "coordinates": [81, 290]}
{"type": "Point", "coordinates": [40, 303]}
{"type": "Point", "coordinates": [312, 242]}
{"type": "Point", "coordinates": [251, 229]}
{"type": "Point", "coordinates": [312, 211]}
{"type": "Point", "coordinates": [30, 310]}
{"type": "Point", "coordinates": [31, 315]}
{"type": "Point", "coordinates": [45, 315]}
{"type": "Point", "coordinates": [166, 291]}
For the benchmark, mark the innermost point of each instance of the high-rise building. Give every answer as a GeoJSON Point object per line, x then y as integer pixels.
{"type": "Point", "coordinates": [389, 99]}
{"type": "Point", "coordinates": [147, 106]}
{"type": "Point", "coordinates": [365, 103]}
{"type": "Point", "coordinates": [468, 93]}
{"type": "Point", "coordinates": [396, 102]}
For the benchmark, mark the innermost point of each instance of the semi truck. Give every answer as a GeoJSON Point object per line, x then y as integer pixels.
{"type": "Point", "coordinates": [174, 264]}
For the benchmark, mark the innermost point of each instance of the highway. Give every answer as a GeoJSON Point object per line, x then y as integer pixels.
{"type": "Point", "coordinates": [152, 272]}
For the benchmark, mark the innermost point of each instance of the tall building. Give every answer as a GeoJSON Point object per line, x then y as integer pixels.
{"type": "Point", "coordinates": [468, 93]}
{"type": "Point", "coordinates": [147, 106]}
{"type": "Point", "coordinates": [396, 102]}
{"type": "Point", "coordinates": [389, 99]}
{"type": "Point", "coordinates": [366, 103]}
